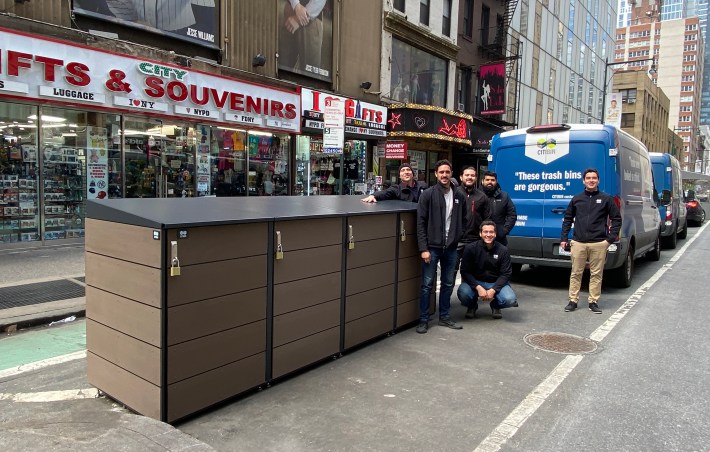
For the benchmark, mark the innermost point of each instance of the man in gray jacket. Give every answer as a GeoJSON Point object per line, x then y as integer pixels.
{"type": "Point", "coordinates": [441, 221]}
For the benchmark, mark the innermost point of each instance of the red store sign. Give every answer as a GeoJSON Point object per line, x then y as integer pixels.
{"type": "Point", "coordinates": [396, 150]}
{"type": "Point", "coordinates": [42, 69]}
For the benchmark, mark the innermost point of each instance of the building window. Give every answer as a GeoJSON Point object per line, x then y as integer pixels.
{"type": "Point", "coordinates": [468, 18]}
{"type": "Point", "coordinates": [419, 77]}
{"type": "Point", "coordinates": [628, 95]}
{"type": "Point", "coordinates": [628, 119]}
{"type": "Point", "coordinates": [686, 88]}
{"type": "Point", "coordinates": [463, 91]}
{"type": "Point", "coordinates": [424, 12]}
{"type": "Point", "coordinates": [399, 5]}
{"type": "Point", "coordinates": [446, 20]}
{"type": "Point", "coordinates": [485, 23]}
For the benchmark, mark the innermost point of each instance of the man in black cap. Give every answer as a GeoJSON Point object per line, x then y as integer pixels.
{"type": "Point", "coordinates": [408, 188]}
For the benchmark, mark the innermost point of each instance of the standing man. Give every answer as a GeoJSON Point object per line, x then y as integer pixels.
{"type": "Point", "coordinates": [501, 207]}
{"type": "Point", "coordinates": [485, 271]}
{"type": "Point", "coordinates": [476, 208]}
{"type": "Point", "coordinates": [441, 220]}
{"type": "Point", "coordinates": [591, 211]}
{"type": "Point", "coordinates": [408, 188]}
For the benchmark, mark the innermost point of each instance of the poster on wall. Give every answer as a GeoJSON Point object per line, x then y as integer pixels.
{"type": "Point", "coordinates": [195, 21]}
{"type": "Point", "coordinates": [306, 37]}
{"type": "Point", "coordinates": [417, 76]}
{"type": "Point", "coordinates": [333, 126]}
{"type": "Point", "coordinates": [491, 89]}
{"type": "Point", "coordinates": [203, 163]}
{"type": "Point", "coordinates": [96, 163]}
{"type": "Point", "coordinates": [612, 115]}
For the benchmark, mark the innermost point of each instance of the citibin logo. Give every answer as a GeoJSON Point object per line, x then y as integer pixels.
{"type": "Point", "coordinates": [548, 148]}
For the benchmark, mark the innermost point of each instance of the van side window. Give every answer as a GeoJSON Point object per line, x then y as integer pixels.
{"type": "Point", "coordinates": [647, 183]}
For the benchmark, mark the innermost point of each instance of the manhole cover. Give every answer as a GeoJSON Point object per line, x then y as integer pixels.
{"type": "Point", "coordinates": [560, 343]}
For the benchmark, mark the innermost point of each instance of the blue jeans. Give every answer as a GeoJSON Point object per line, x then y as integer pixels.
{"type": "Point", "coordinates": [469, 297]}
{"type": "Point", "coordinates": [447, 258]}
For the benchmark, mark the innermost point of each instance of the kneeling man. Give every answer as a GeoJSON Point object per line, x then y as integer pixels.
{"type": "Point", "coordinates": [485, 271]}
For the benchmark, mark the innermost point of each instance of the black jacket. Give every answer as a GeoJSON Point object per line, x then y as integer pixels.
{"type": "Point", "coordinates": [477, 211]}
{"type": "Point", "coordinates": [401, 192]}
{"type": "Point", "coordinates": [479, 264]}
{"type": "Point", "coordinates": [431, 219]}
{"type": "Point", "coordinates": [501, 210]}
{"type": "Point", "coordinates": [590, 212]}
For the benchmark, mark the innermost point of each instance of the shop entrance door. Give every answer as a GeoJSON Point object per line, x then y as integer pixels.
{"type": "Point", "coordinates": [160, 158]}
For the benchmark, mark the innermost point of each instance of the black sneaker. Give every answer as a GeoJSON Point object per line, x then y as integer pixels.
{"type": "Point", "coordinates": [423, 327]}
{"type": "Point", "coordinates": [595, 308]}
{"type": "Point", "coordinates": [471, 313]}
{"type": "Point", "coordinates": [496, 313]}
{"type": "Point", "coordinates": [515, 304]}
{"type": "Point", "coordinates": [571, 306]}
{"type": "Point", "coordinates": [447, 322]}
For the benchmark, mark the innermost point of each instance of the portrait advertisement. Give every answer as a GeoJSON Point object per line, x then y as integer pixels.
{"type": "Point", "coordinates": [195, 21]}
{"type": "Point", "coordinates": [417, 77]}
{"type": "Point", "coordinates": [612, 115]}
{"type": "Point", "coordinates": [491, 89]}
{"type": "Point", "coordinates": [306, 37]}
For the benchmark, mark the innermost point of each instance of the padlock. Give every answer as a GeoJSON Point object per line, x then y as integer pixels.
{"type": "Point", "coordinates": [279, 247]}
{"type": "Point", "coordinates": [351, 238]}
{"type": "Point", "coordinates": [175, 267]}
{"type": "Point", "coordinates": [402, 232]}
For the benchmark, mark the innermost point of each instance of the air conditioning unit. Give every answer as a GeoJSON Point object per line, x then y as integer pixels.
{"type": "Point", "coordinates": [461, 107]}
{"type": "Point", "coordinates": [632, 101]}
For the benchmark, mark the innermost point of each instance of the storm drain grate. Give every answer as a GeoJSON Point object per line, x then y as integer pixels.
{"type": "Point", "coordinates": [36, 293]}
{"type": "Point", "coordinates": [560, 343]}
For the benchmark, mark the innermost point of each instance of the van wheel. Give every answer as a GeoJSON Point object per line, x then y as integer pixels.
{"type": "Point", "coordinates": [671, 241]}
{"type": "Point", "coordinates": [622, 276]}
{"type": "Point", "coordinates": [684, 233]}
{"type": "Point", "coordinates": [655, 253]}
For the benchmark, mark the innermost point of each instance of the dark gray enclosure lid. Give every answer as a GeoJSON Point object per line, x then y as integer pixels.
{"type": "Point", "coordinates": [206, 211]}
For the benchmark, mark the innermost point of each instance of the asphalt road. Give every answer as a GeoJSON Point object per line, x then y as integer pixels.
{"type": "Point", "coordinates": [481, 388]}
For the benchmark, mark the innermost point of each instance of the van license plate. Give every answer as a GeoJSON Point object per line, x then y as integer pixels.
{"type": "Point", "coordinates": [562, 252]}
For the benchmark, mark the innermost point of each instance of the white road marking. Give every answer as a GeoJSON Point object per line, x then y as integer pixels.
{"type": "Point", "coordinates": [52, 396]}
{"type": "Point", "coordinates": [41, 364]}
{"type": "Point", "coordinates": [515, 420]}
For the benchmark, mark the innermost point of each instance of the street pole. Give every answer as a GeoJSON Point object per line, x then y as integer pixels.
{"type": "Point", "coordinates": [606, 73]}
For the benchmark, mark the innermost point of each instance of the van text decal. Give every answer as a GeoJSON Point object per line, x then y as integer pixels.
{"type": "Point", "coordinates": [546, 147]}
{"type": "Point", "coordinates": [545, 181]}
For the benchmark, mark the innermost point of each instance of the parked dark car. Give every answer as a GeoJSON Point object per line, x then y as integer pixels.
{"type": "Point", "coordinates": [695, 210]}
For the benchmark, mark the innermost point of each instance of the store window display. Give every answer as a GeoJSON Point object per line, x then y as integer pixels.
{"type": "Point", "coordinates": [19, 174]}
{"type": "Point", "coordinates": [319, 173]}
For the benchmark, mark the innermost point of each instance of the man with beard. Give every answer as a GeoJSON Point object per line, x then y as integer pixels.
{"type": "Point", "coordinates": [500, 207]}
{"type": "Point", "coordinates": [408, 188]}
{"type": "Point", "coordinates": [441, 221]}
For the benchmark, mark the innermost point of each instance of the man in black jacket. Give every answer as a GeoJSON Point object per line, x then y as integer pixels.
{"type": "Point", "coordinates": [476, 208]}
{"type": "Point", "coordinates": [408, 188]}
{"type": "Point", "coordinates": [485, 271]}
{"type": "Point", "coordinates": [591, 211]}
{"type": "Point", "coordinates": [441, 221]}
{"type": "Point", "coordinates": [501, 207]}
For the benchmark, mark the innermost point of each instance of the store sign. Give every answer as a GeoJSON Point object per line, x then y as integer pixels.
{"type": "Point", "coordinates": [361, 118]}
{"type": "Point", "coordinates": [44, 70]}
{"type": "Point", "coordinates": [333, 126]}
{"type": "Point", "coordinates": [396, 150]}
{"type": "Point", "coordinates": [492, 89]}
{"type": "Point", "coordinates": [96, 163]}
{"type": "Point", "coordinates": [433, 123]}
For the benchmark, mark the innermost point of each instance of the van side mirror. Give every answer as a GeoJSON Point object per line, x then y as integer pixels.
{"type": "Point", "coordinates": [666, 197]}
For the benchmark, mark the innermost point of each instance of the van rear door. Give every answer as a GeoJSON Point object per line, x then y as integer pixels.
{"type": "Point", "coordinates": [547, 167]}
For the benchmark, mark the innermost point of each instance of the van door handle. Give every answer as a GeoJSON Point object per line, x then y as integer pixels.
{"type": "Point", "coordinates": [559, 210]}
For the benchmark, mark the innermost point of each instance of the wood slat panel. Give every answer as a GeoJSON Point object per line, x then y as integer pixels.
{"type": "Point", "coordinates": [129, 280]}
{"type": "Point", "coordinates": [305, 322]}
{"type": "Point", "coordinates": [370, 227]}
{"type": "Point", "coordinates": [366, 303]}
{"type": "Point", "coordinates": [370, 277]}
{"type": "Point", "coordinates": [409, 267]}
{"type": "Point", "coordinates": [374, 325]}
{"type": "Point", "coordinates": [371, 252]}
{"type": "Point", "coordinates": [216, 243]}
{"type": "Point", "coordinates": [124, 351]}
{"type": "Point", "coordinates": [306, 292]}
{"type": "Point", "coordinates": [201, 391]}
{"type": "Point", "coordinates": [110, 239]}
{"type": "Point", "coordinates": [308, 350]}
{"type": "Point", "coordinates": [216, 279]}
{"type": "Point", "coordinates": [132, 391]}
{"type": "Point", "coordinates": [408, 290]}
{"type": "Point", "coordinates": [311, 233]}
{"type": "Point", "coordinates": [193, 320]}
{"type": "Point", "coordinates": [409, 247]}
{"type": "Point", "coordinates": [307, 263]}
{"type": "Point", "coordinates": [216, 350]}
{"type": "Point", "coordinates": [135, 319]}
{"type": "Point", "coordinates": [407, 313]}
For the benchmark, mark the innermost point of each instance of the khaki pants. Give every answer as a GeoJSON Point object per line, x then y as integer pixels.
{"type": "Point", "coordinates": [595, 253]}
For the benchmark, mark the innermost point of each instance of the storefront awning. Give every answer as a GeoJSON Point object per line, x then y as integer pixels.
{"type": "Point", "coordinates": [689, 175]}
